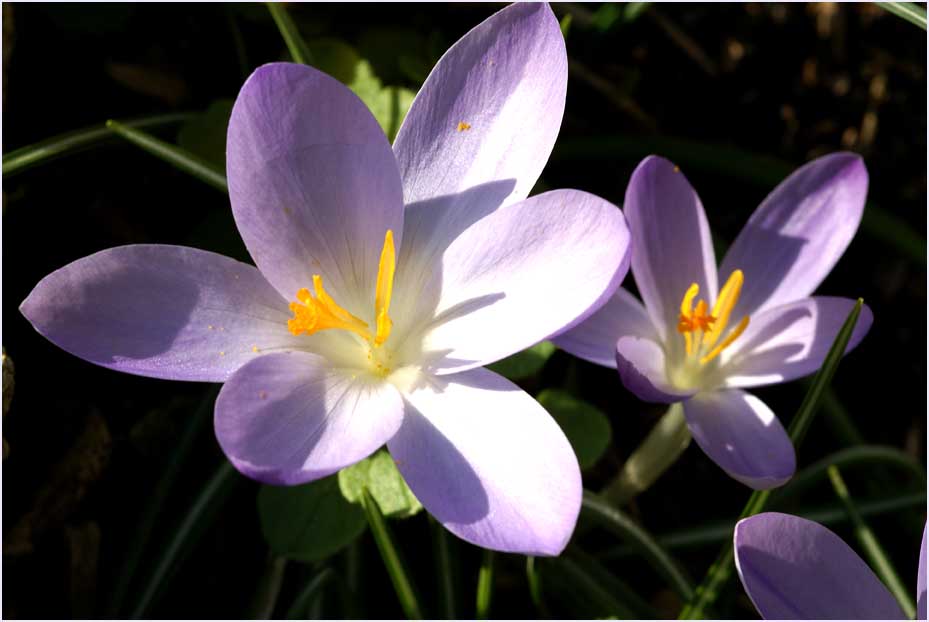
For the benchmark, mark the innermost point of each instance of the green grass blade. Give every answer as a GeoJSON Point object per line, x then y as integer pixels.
{"type": "Point", "coordinates": [301, 605]}
{"type": "Point", "coordinates": [295, 43]}
{"type": "Point", "coordinates": [187, 534]}
{"type": "Point", "coordinates": [156, 502]}
{"type": "Point", "coordinates": [535, 588]}
{"type": "Point", "coordinates": [446, 569]}
{"type": "Point", "coordinates": [172, 154]}
{"type": "Point", "coordinates": [485, 584]}
{"type": "Point", "coordinates": [385, 544]}
{"type": "Point", "coordinates": [721, 570]}
{"type": "Point", "coordinates": [910, 11]}
{"type": "Point", "coordinates": [872, 548]}
{"type": "Point", "coordinates": [581, 583]}
{"type": "Point", "coordinates": [615, 521]}
{"type": "Point", "coordinates": [50, 149]}
{"type": "Point", "coordinates": [264, 602]}
{"type": "Point", "coordinates": [620, 590]}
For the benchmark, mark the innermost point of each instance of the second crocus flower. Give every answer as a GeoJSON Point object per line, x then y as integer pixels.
{"type": "Point", "coordinates": [700, 344]}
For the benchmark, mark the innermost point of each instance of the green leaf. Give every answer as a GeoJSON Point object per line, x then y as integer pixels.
{"type": "Point", "coordinates": [523, 364]}
{"type": "Point", "coordinates": [310, 522]}
{"type": "Point", "coordinates": [172, 154]}
{"type": "Point", "coordinates": [485, 585]}
{"type": "Point", "coordinates": [389, 105]}
{"type": "Point", "coordinates": [379, 475]}
{"type": "Point", "coordinates": [910, 11]}
{"type": "Point", "coordinates": [335, 57]}
{"type": "Point", "coordinates": [204, 135]}
{"type": "Point", "coordinates": [292, 38]}
{"type": "Point", "coordinates": [586, 427]}
{"type": "Point", "coordinates": [565, 24]}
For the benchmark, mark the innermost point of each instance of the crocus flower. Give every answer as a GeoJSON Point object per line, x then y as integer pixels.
{"type": "Point", "coordinates": [794, 568]}
{"type": "Point", "coordinates": [386, 278]}
{"type": "Point", "coordinates": [698, 344]}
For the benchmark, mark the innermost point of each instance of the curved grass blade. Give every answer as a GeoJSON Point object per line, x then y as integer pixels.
{"type": "Point", "coordinates": [616, 586]}
{"type": "Point", "coordinates": [398, 576]}
{"type": "Point", "coordinates": [535, 588]}
{"type": "Point", "coordinates": [485, 584]}
{"type": "Point", "coordinates": [172, 154]}
{"type": "Point", "coordinates": [577, 583]}
{"type": "Point", "coordinates": [910, 11]}
{"type": "Point", "coordinates": [446, 569]}
{"type": "Point", "coordinates": [187, 534]}
{"type": "Point", "coordinates": [269, 588]}
{"type": "Point", "coordinates": [872, 548]}
{"type": "Point", "coordinates": [295, 43]}
{"type": "Point", "coordinates": [615, 521]}
{"type": "Point", "coordinates": [721, 570]}
{"type": "Point", "coordinates": [50, 149]}
{"type": "Point", "coordinates": [301, 605]}
{"type": "Point", "coordinates": [156, 501]}
{"type": "Point", "coordinates": [716, 532]}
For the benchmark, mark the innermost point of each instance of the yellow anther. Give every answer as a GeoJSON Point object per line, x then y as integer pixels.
{"type": "Point", "coordinates": [384, 289]}
{"type": "Point", "coordinates": [738, 330]}
{"type": "Point", "coordinates": [725, 302]}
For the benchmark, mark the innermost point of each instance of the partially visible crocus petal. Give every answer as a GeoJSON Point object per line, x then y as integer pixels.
{"type": "Point", "coordinates": [673, 248]}
{"type": "Point", "coordinates": [519, 275]}
{"type": "Point", "coordinates": [643, 370]}
{"type": "Point", "coordinates": [489, 463]}
{"type": "Point", "coordinates": [160, 311]}
{"type": "Point", "coordinates": [313, 182]}
{"type": "Point", "coordinates": [794, 568]}
{"type": "Point", "coordinates": [799, 232]}
{"type": "Point", "coordinates": [921, 581]}
{"type": "Point", "coordinates": [790, 341]}
{"type": "Point", "coordinates": [290, 417]}
{"type": "Point", "coordinates": [743, 436]}
{"type": "Point", "coordinates": [594, 339]}
{"type": "Point", "coordinates": [489, 111]}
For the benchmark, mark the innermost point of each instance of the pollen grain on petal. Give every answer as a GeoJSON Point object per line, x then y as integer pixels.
{"type": "Point", "coordinates": [463, 127]}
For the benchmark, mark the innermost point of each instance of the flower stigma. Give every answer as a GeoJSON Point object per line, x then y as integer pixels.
{"type": "Point", "coordinates": [702, 330]}
{"type": "Point", "coordinates": [316, 311]}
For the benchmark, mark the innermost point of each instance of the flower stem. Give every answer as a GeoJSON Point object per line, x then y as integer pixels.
{"type": "Point", "coordinates": [445, 568]}
{"type": "Point", "coordinates": [485, 584]}
{"type": "Point", "coordinates": [871, 546]}
{"type": "Point", "coordinates": [398, 576]}
{"type": "Point", "coordinates": [295, 43]}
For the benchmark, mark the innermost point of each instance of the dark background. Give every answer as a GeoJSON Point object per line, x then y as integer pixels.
{"type": "Point", "coordinates": [736, 94]}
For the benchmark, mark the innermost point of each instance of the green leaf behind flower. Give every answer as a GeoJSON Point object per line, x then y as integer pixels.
{"type": "Point", "coordinates": [380, 476]}
{"type": "Point", "coordinates": [586, 427]}
{"type": "Point", "coordinates": [523, 364]}
{"type": "Point", "coordinates": [309, 522]}
{"type": "Point", "coordinates": [204, 135]}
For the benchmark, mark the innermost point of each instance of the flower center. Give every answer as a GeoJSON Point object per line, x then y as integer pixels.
{"type": "Point", "coordinates": [316, 311]}
{"type": "Point", "coordinates": [702, 330]}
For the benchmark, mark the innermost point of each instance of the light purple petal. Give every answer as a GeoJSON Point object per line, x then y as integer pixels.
{"type": "Point", "coordinates": [489, 463]}
{"type": "Point", "coordinates": [790, 341]}
{"type": "Point", "coordinates": [672, 240]}
{"type": "Point", "coordinates": [743, 436]}
{"type": "Point", "coordinates": [921, 581]}
{"type": "Point", "coordinates": [161, 311]}
{"type": "Point", "coordinates": [290, 417]}
{"type": "Point", "coordinates": [794, 568]}
{"type": "Point", "coordinates": [642, 368]}
{"type": "Point", "coordinates": [594, 339]}
{"type": "Point", "coordinates": [799, 232]}
{"type": "Point", "coordinates": [489, 112]}
{"type": "Point", "coordinates": [313, 183]}
{"type": "Point", "coordinates": [517, 276]}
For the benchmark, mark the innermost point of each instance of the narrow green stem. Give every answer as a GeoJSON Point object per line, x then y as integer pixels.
{"type": "Point", "coordinates": [485, 584]}
{"type": "Point", "coordinates": [909, 11]}
{"type": "Point", "coordinates": [445, 569]}
{"type": "Point", "coordinates": [624, 527]}
{"type": "Point", "coordinates": [300, 607]}
{"type": "Point", "coordinates": [660, 449]}
{"type": "Point", "coordinates": [872, 548]}
{"type": "Point", "coordinates": [24, 158]}
{"type": "Point", "coordinates": [269, 588]}
{"type": "Point", "coordinates": [172, 154]}
{"type": "Point", "coordinates": [720, 571]}
{"type": "Point", "coordinates": [535, 588]}
{"type": "Point", "coordinates": [292, 39]}
{"type": "Point", "coordinates": [398, 576]}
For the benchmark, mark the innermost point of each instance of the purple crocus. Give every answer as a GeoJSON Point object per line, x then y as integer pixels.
{"type": "Point", "coordinates": [386, 278]}
{"type": "Point", "coordinates": [696, 343]}
{"type": "Point", "coordinates": [794, 568]}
